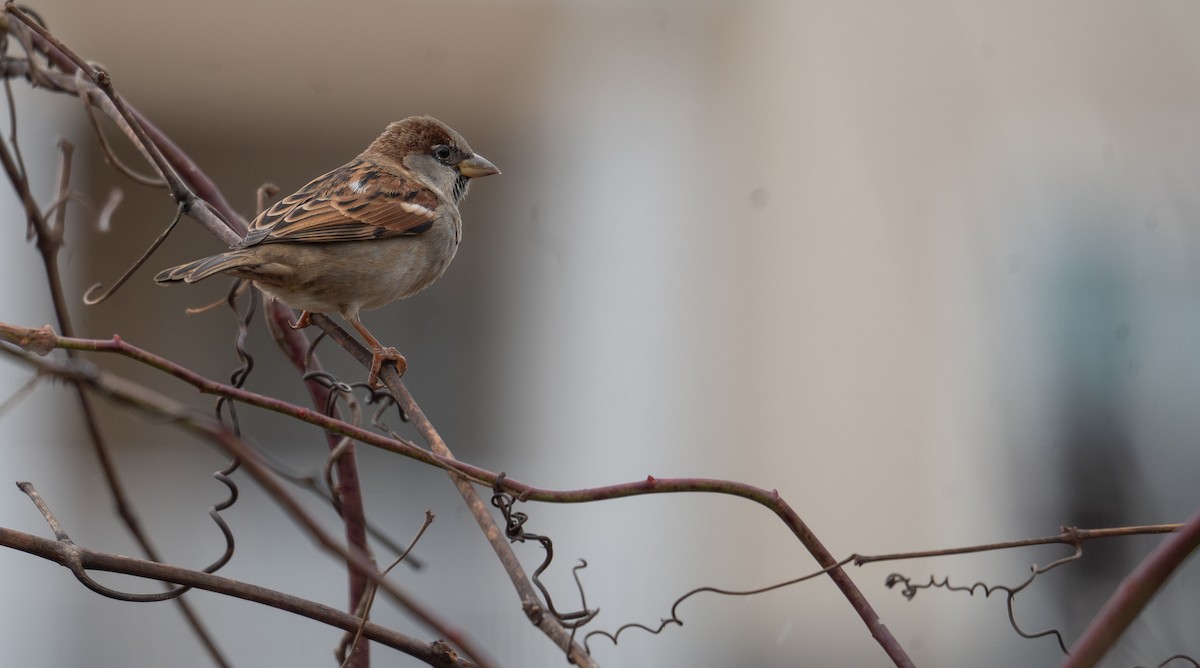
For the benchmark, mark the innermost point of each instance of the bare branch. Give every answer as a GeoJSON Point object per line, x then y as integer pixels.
{"type": "Point", "coordinates": [76, 567]}
{"type": "Point", "coordinates": [146, 400]}
{"type": "Point", "coordinates": [1133, 595]}
{"type": "Point", "coordinates": [49, 241]}
{"type": "Point", "coordinates": [110, 156]}
{"type": "Point", "coordinates": [228, 227]}
{"type": "Point", "coordinates": [1068, 536]}
{"type": "Point", "coordinates": [521, 581]}
{"type": "Point", "coordinates": [435, 654]}
{"type": "Point", "coordinates": [365, 606]}
{"type": "Point", "coordinates": [190, 203]}
{"type": "Point", "coordinates": [348, 492]}
{"type": "Point", "coordinates": [525, 591]}
{"type": "Point", "coordinates": [186, 187]}
{"type": "Point", "coordinates": [91, 299]}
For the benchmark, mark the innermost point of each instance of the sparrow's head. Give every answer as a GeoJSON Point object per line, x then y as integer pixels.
{"type": "Point", "coordinates": [433, 153]}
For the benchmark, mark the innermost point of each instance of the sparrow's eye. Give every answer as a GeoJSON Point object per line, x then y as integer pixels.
{"type": "Point", "coordinates": [442, 152]}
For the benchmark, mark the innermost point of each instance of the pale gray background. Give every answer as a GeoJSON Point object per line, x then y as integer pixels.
{"type": "Point", "coordinates": [927, 268]}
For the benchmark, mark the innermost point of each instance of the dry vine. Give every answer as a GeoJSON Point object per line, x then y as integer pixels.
{"type": "Point", "coordinates": [47, 63]}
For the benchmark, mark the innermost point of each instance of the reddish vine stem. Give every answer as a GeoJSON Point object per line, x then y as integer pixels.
{"type": "Point", "coordinates": [49, 240]}
{"type": "Point", "coordinates": [295, 346]}
{"type": "Point", "coordinates": [64, 554]}
{"type": "Point", "coordinates": [479, 510]}
{"type": "Point", "coordinates": [183, 195]}
{"type": "Point", "coordinates": [61, 53]}
{"type": "Point", "coordinates": [186, 199]}
{"type": "Point", "coordinates": [520, 580]}
{"type": "Point", "coordinates": [1132, 596]}
{"type": "Point", "coordinates": [213, 431]}
{"type": "Point", "coordinates": [41, 340]}
{"type": "Point", "coordinates": [197, 195]}
{"type": "Point", "coordinates": [1068, 536]}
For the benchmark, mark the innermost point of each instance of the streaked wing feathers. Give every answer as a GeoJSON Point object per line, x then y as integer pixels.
{"type": "Point", "coordinates": [352, 203]}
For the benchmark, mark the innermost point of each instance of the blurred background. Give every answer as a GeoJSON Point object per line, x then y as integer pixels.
{"type": "Point", "coordinates": [928, 269]}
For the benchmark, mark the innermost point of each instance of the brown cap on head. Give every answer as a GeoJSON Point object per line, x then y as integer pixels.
{"type": "Point", "coordinates": [416, 134]}
{"type": "Point", "coordinates": [426, 134]}
{"type": "Point", "coordinates": [421, 133]}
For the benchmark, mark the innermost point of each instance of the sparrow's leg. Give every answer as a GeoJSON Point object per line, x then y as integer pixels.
{"type": "Point", "coordinates": [379, 354]}
{"type": "Point", "coordinates": [303, 321]}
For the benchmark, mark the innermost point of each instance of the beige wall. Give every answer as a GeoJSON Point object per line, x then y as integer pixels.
{"type": "Point", "coordinates": [927, 269]}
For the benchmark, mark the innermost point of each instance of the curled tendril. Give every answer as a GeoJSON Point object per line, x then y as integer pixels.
{"type": "Point", "coordinates": [675, 620]}
{"type": "Point", "coordinates": [343, 393]}
{"type": "Point", "coordinates": [106, 148]}
{"type": "Point", "coordinates": [91, 298]}
{"type": "Point", "coordinates": [384, 398]}
{"type": "Point", "coordinates": [330, 382]}
{"type": "Point", "coordinates": [1177, 657]}
{"type": "Point", "coordinates": [514, 523]}
{"type": "Point", "coordinates": [325, 487]}
{"type": "Point", "coordinates": [910, 590]}
{"type": "Point", "coordinates": [240, 374]}
{"type": "Point", "coordinates": [238, 378]}
{"type": "Point", "coordinates": [77, 569]}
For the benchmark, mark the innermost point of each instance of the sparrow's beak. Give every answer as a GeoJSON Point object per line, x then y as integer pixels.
{"type": "Point", "coordinates": [476, 166]}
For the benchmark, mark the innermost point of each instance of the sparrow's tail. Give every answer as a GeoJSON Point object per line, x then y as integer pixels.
{"type": "Point", "coordinates": [203, 268]}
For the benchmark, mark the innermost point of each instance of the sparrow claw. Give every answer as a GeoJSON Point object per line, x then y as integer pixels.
{"type": "Point", "coordinates": [378, 357]}
{"type": "Point", "coordinates": [304, 321]}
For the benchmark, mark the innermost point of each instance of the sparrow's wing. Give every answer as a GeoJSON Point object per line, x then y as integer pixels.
{"type": "Point", "coordinates": [352, 203]}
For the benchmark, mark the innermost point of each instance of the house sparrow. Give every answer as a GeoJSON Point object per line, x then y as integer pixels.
{"type": "Point", "coordinates": [381, 227]}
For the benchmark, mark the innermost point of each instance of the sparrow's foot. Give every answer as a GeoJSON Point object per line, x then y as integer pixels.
{"type": "Point", "coordinates": [304, 321]}
{"type": "Point", "coordinates": [381, 355]}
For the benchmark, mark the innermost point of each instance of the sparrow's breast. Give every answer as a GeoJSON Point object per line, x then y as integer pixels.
{"type": "Point", "coordinates": [348, 276]}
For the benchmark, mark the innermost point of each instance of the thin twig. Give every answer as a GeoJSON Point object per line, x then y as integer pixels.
{"type": "Point", "coordinates": [43, 339]}
{"type": "Point", "coordinates": [188, 184]}
{"type": "Point", "coordinates": [1134, 593]}
{"type": "Point", "coordinates": [110, 156]}
{"type": "Point", "coordinates": [91, 299]}
{"type": "Point", "coordinates": [49, 241]}
{"type": "Point", "coordinates": [516, 573]}
{"type": "Point", "coordinates": [77, 568]}
{"type": "Point", "coordinates": [520, 579]}
{"type": "Point", "coordinates": [365, 606]}
{"type": "Point", "coordinates": [676, 621]}
{"type": "Point", "coordinates": [183, 195]}
{"type": "Point", "coordinates": [1068, 536]}
{"type": "Point", "coordinates": [295, 346]}
{"type": "Point", "coordinates": [61, 553]}
{"type": "Point", "coordinates": [208, 428]}
{"type": "Point", "coordinates": [187, 201]}
{"type": "Point", "coordinates": [192, 204]}
{"type": "Point", "coordinates": [910, 589]}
